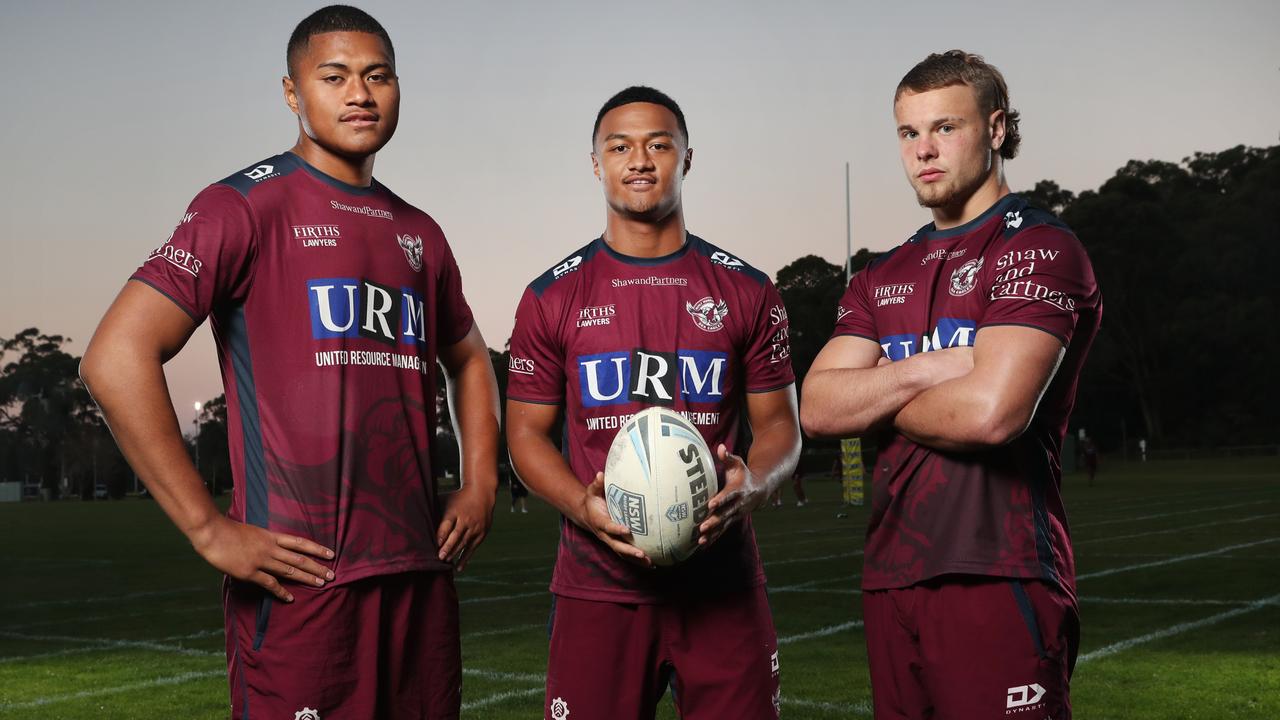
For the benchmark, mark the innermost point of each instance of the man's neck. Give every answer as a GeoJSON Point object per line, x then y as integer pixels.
{"type": "Point", "coordinates": [644, 239]}
{"type": "Point", "coordinates": [352, 172]}
{"type": "Point", "coordinates": [959, 213]}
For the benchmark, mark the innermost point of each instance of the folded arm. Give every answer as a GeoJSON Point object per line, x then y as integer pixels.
{"type": "Point", "coordinates": [850, 391]}
{"type": "Point", "coordinates": [992, 404]}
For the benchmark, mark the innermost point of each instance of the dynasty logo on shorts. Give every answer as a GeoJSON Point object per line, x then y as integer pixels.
{"type": "Point", "coordinates": [1024, 698]}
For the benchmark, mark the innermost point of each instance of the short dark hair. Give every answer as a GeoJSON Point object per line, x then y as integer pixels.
{"type": "Point", "coordinates": [957, 67]}
{"type": "Point", "coordinates": [641, 94]}
{"type": "Point", "coordinates": [334, 18]}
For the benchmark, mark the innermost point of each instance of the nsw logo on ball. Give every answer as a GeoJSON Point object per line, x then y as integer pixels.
{"type": "Point", "coordinates": [627, 508]}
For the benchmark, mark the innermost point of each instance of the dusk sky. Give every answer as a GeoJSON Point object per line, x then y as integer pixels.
{"type": "Point", "coordinates": [119, 113]}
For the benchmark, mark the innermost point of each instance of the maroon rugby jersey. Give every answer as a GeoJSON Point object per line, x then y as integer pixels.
{"type": "Point", "coordinates": [606, 335]}
{"type": "Point", "coordinates": [998, 512]}
{"type": "Point", "coordinates": [328, 304]}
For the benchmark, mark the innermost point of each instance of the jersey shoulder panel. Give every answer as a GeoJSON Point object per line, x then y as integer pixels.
{"type": "Point", "coordinates": [564, 268]}
{"type": "Point", "coordinates": [264, 171]}
{"type": "Point", "coordinates": [883, 257]}
{"type": "Point", "coordinates": [722, 259]}
{"type": "Point", "coordinates": [1023, 217]}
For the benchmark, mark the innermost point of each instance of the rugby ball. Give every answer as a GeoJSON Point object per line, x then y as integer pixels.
{"type": "Point", "coordinates": [658, 478]}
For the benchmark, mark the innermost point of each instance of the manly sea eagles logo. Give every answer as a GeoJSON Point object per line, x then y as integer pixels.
{"type": "Point", "coordinates": [708, 314]}
{"type": "Point", "coordinates": [412, 250]}
{"type": "Point", "coordinates": [965, 277]}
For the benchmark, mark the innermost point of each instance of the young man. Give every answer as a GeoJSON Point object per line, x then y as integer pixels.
{"type": "Point", "coordinates": [961, 350]}
{"type": "Point", "coordinates": [644, 315]}
{"type": "Point", "coordinates": [331, 300]}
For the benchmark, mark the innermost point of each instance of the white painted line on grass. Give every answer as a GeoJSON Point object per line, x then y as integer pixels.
{"type": "Point", "coordinates": [46, 655]}
{"type": "Point", "coordinates": [1194, 511]}
{"type": "Point", "coordinates": [109, 598]}
{"type": "Point", "coordinates": [145, 685]}
{"type": "Point", "coordinates": [820, 632]}
{"type": "Point", "coordinates": [501, 697]}
{"type": "Point", "coordinates": [1215, 523]}
{"type": "Point", "coordinates": [110, 643]}
{"type": "Point", "coordinates": [1160, 601]}
{"type": "Point", "coordinates": [110, 616]}
{"type": "Point", "coordinates": [1175, 559]}
{"type": "Point", "coordinates": [503, 676]}
{"type": "Point", "coordinates": [502, 631]}
{"type": "Point", "coordinates": [1178, 629]}
{"type": "Point", "coordinates": [818, 558]}
{"type": "Point", "coordinates": [797, 587]}
{"type": "Point", "coordinates": [499, 598]}
{"type": "Point", "coordinates": [842, 709]}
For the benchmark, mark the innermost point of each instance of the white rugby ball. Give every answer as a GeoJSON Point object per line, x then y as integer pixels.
{"type": "Point", "coordinates": [658, 478]}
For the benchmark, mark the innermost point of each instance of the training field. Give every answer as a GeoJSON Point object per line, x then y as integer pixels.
{"type": "Point", "coordinates": [106, 612]}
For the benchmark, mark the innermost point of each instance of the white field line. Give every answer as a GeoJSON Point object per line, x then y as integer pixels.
{"type": "Point", "coordinates": [502, 697]}
{"type": "Point", "coordinates": [816, 558]}
{"type": "Point", "coordinates": [108, 598]}
{"type": "Point", "coordinates": [828, 591]}
{"type": "Point", "coordinates": [504, 676]}
{"type": "Point", "coordinates": [1174, 559]}
{"type": "Point", "coordinates": [1215, 523]}
{"type": "Point", "coordinates": [1166, 500]}
{"type": "Point", "coordinates": [500, 598]}
{"type": "Point", "coordinates": [1159, 601]}
{"type": "Point", "coordinates": [840, 709]}
{"type": "Point", "coordinates": [820, 632]}
{"type": "Point", "coordinates": [110, 616]}
{"type": "Point", "coordinates": [54, 654]}
{"type": "Point", "coordinates": [145, 685]}
{"type": "Point", "coordinates": [1193, 511]}
{"type": "Point", "coordinates": [812, 583]}
{"type": "Point", "coordinates": [110, 643]}
{"type": "Point", "coordinates": [502, 631]}
{"type": "Point", "coordinates": [1176, 630]}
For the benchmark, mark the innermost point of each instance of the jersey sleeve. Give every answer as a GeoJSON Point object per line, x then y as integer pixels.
{"type": "Point", "coordinates": [1043, 280]}
{"type": "Point", "coordinates": [453, 315]}
{"type": "Point", "coordinates": [853, 314]}
{"type": "Point", "coordinates": [767, 360]}
{"type": "Point", "coordinates": [208, 260]}
{"type": "Point", "coordinates": [536, 371]}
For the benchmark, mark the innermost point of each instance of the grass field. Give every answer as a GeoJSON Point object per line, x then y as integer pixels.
{"type": "Point", "coordinates": [107, 613]}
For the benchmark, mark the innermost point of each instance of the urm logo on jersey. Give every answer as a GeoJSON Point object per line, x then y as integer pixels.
{"type": "Point", "coordinates": [652, 378]}
{"type": "Point", "coordinates": [950, 332]}
{"type": "Point", "coordinates": [351, 307]}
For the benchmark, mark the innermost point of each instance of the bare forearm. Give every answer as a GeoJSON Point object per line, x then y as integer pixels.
{"type": "Point", "coordinates": [134, 397]}
{"type": "Point", "coordinates": [774, 453]}
{"type": "Point", "coordinates": [843, 402]}
{"type": "Point", "coordinates": [544, 471]}
{"type": "Point", "coordinates": [473, 404]}
{"type": "Point", "coordinates": [957, 416]}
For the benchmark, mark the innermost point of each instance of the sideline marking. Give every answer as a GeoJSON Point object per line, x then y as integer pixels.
{"type": "Point", "coordinates": [861, 708]}
{"type": "Point", "coordinates": [108, 598]}
{"type": "Point", "coordinates": [1161, 601]}
{"type": "Point", "coordinates": [146, 685]}
{"type": "Point", "coordinates": [820, 632]}
{"type": "Point", "coordinates": [1214, 523]}
{"type": "Point", "coordinates": [1172, 560]}
{"type": "Point", "coordinates": [1178, 629]}
{"type": "Point", "coordinates": [501, 697]}
{"type": "Point", "coordinates": [109, 643]}
{"type": "Point", "coordinates": [1194, 511]}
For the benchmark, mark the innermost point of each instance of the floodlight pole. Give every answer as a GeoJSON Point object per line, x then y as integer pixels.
{"type": "Point", "coordinates": [848, 228]}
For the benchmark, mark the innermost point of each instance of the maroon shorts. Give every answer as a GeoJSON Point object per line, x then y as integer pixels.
{"type": "Point", "coordinates": [969, 647]}
{"type": "Point", "coordinates": [381, 647]}
{"type": "Point", "coordinates": [615, 660]}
